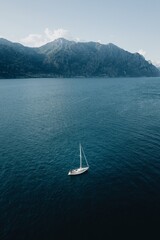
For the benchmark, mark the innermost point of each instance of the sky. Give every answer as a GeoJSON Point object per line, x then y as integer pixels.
{"type": "Point", "coordinates": [130, 24]}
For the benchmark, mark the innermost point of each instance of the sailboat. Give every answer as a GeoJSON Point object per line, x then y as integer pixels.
{"type": "Point", "coordinates": [81, 169]}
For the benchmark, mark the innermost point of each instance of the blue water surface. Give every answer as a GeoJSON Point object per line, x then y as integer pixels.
{"type": "Point", "coordinates": [42, 122]}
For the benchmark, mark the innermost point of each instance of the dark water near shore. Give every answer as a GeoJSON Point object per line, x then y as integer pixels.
{"type": "Point", "coordinates": [42, 122]}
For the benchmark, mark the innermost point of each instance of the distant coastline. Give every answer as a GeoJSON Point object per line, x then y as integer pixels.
{"type": "Point", "coordinates": [66, 59]}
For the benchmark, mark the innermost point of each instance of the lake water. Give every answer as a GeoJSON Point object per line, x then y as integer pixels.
{"type": "Point", "coordinates": [42, 122]}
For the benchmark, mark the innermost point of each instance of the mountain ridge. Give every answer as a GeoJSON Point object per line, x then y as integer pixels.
{"type": "Point", "coordinates": [64, 58]}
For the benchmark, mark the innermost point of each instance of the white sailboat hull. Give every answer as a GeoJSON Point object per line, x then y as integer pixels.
{"type": "Point", "coordinates": [78, 171]}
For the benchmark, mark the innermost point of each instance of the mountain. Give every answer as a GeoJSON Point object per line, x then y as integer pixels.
{"type": "Point", "coordinates": [19, 61]}
{"type": "Point", "coordinates": [63, 58]}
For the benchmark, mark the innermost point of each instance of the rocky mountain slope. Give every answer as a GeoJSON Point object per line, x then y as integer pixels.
{"type": "Point", "coordinates": [63, 58]}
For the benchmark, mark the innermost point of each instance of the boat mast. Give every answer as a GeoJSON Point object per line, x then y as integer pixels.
{"type": "Point", "coordinates": [80, 155]}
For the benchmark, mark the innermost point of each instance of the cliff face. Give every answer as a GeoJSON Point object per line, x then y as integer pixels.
{"type": "Point", "coordinates": [63, 58]}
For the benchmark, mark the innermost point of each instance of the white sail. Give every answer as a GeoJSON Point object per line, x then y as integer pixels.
{"type": "Point", "coordinates": [85, 157]}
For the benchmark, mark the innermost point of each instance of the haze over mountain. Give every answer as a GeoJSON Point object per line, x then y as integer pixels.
{"type": "Point", "coordinates": [63, 58]}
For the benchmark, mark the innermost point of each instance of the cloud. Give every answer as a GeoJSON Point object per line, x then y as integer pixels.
{"type": "Point", "coordinates": [36, 40]}
{"type": "Point", "coordinates": [142, 52]}
{"type": "Point", "coordinates": [156, 63]}
{"type": "Point", "coordinates": [33, 40]}
{"type": "Point", "coordinates": [59, 33]}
